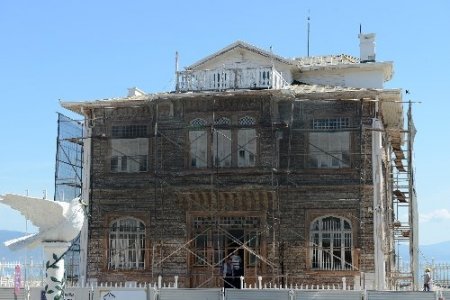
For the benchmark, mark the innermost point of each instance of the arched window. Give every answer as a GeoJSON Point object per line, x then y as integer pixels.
{"type": "Point", "coordinates": [222, 142]}
{"type": "Point", "coordinates": [126, 244]}
{"type": "Point", "coordinates": [247, 142]}
{"type": "Point", "coordinates": [198, 140]}
{"type": "Point", "coordinates": [331, 244]}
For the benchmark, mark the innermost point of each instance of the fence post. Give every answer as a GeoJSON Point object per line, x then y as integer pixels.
{"type": "Point", "coordinates": [260, 282]}
{"type": "Point", "coordinates": [159, 281]}
{"type": "Point", "coordinates": [175, 285]}
{"type": "Point", "coordinates": [344, 283]}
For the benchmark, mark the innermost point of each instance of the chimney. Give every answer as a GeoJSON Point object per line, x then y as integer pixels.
{"type": "Point", "coordinates": [134, 91]}
{"type": "Point", "coordinates": [367, 47]}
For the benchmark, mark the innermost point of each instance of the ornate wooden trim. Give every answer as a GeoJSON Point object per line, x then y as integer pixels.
{"type": "Point", "coordinates": [249, 200]}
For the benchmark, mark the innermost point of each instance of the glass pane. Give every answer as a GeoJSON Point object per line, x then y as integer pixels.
{"type": "Point", "coordinates": [348, 259]}
{"type": "Point", "coordinates": [337, 240]}
{"type": "Point", "coordinates": [114, 164]}
{"type": "Point", "coordinates": [326, 243]}
{"type": "Point", "coordinates": [326, 260]}
{"type": "Point", "coordinates": [200, 249]}
{"type": "Point", "coordinates": [198, 151]}
{"type": "Point", "coordinates": [337, 262]}
{"type": "Point", "coordinates": [327, 149]}
{"type": "Point", "coordinates": [347, 225]}
{"type": "Point", "coordinates": [253, 244]}
{"type": "Point", "coordinates": [246, 147]}
{"type": "Point", "coordinates": [222, 148]}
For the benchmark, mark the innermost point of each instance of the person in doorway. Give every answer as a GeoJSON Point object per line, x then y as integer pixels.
{"type": "Point", "coordinates": [427, 280]}
{"type": "Point", "coordinates": [236, 261]}
{"type": "Point", "coordinates": [227, 272]}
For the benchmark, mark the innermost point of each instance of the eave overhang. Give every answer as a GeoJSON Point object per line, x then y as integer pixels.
{"type": "Point", "coordinates": [389, 101]}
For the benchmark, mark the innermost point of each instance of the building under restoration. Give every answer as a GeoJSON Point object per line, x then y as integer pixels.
{"type": "Point", "coordinates": [301, 167]}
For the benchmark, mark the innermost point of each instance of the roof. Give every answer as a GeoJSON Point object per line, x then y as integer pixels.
{"type": "Point", "coordinates": [326, 60]}
{"type": "Point", "coordinates": [312, 63]}
{"type": "Point", "coordinates": [329, 63]}
{"type": "Point", "coordinates": [243, 45]}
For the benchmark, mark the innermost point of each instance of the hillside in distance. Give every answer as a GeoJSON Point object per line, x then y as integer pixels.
{"type": "Point", "coordinates": [22, 255]}
{"type": "Point", "coordinates": [437, 253]}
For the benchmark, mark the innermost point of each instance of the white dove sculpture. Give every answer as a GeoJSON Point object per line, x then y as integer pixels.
{"type": "Point", "coordinates": [57, 221]}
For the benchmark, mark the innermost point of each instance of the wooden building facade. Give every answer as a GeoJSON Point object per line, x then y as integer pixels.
{"type": "Point", "coordinates": [263, 162]}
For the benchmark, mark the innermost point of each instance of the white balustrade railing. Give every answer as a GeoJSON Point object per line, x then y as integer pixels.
{"type": "Point", "coordinates": [230, 78]}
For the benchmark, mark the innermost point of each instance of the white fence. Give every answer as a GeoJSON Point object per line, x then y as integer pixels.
{"type": "Point", "coordinates": [156, 291]}
{"type": "Point", "coordinates": [153, 293]}
{"type": "Point", "coordinates": [32, 273]}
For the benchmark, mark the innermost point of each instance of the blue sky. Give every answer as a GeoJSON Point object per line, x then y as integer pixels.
{"type": "Point", "coordinates": [84, 50]}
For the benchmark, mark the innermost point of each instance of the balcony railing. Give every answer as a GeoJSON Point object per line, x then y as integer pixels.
{"type": "Point", "coordinates": [226, 79]}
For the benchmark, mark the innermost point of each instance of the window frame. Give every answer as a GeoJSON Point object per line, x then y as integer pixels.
{"type": "Point", "coordinates": [329, 143]}
{"type": "Point", "coordinates": [126, 159]}
{"type": "Point", "coordinates": [247, 143]}
{"type": "Point", "coordinates": [129, 162]}
{"type": "Point", "coordinates": [198, 132]}
{"type": "Point", "coordinates": [123, 233]}
{"type": "Point", "coordinates": [331, 257]}
{"type": "Point", "coordinates": [224, 145]}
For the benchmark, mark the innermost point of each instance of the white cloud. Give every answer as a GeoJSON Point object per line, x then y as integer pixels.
{"type": "Point", "coordinates": [436, 215]}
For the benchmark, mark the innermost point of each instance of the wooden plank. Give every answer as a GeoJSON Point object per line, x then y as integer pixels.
{"type": "Point", "coordinates": [400, 196]}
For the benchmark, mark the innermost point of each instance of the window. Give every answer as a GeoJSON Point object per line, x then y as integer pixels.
{"type": "Point", "coordinates": [216, 151]}
{"type": "Point", "coordinates": [331, 244]}
{"type": "Point", "coordinates": [129, 131]}
{"type": "Point", "coordinates": [331, 123]}
{"type": "Point", "coordinates": [165, 110]}
{"type": "Point", "coordinates": [126, 244]}
{"type": "Point", "coordinates": [264, 78]}
{"type": "Point", "coordinates": [331, 148]}
{"type": "Point", "coordinates": [201, 249]}
{"type": "Point", "coordinates": [246, 143]}
{"type": "Point", "coordinates": [198, 140]}
{"type": "Point", "coordinates": [252, 239]}
{"type": "Point", "coordinates": [222, 142]}
{"type": "Point", "coordinates": [129, 148]}
{"type": "Point", "coordinates": [129, 155]}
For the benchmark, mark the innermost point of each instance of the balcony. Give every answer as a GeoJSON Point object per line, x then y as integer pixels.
{"type": "Point", "coordinates": [229, 79]}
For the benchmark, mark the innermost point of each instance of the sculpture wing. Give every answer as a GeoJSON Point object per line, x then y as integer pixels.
{"type": "Point", "coordinates": [42, 213]}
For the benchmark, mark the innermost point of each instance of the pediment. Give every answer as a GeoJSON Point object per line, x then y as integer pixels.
{"type": "Point", "coordinates": [239, 55]}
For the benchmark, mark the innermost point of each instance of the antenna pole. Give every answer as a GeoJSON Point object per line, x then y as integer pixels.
{"type": "Point", "coordinates": [307, 39]}
{"type": "Point", "coordinates": [176, 71]}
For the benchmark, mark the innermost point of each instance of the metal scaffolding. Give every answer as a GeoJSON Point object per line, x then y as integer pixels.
{"type": "Point", "coordinates": [68, 182]}
{"type": "Point", "coordinates": [227, 239]}
{"type": "Point", "coordinates": [405, 224]}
